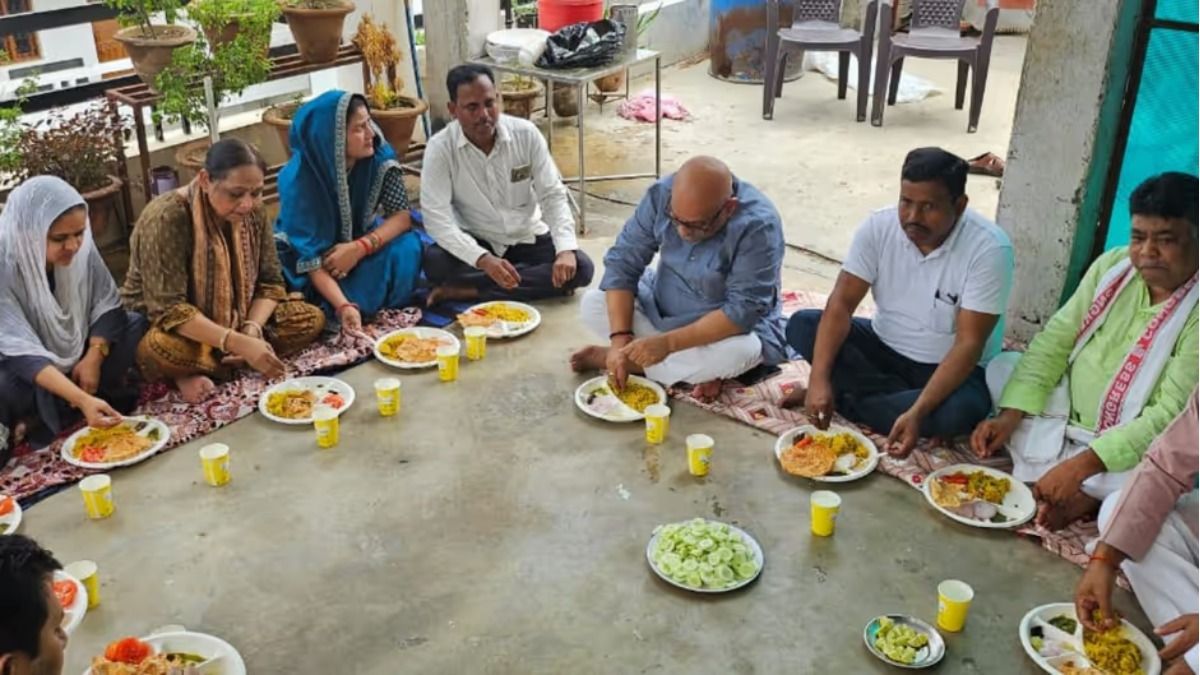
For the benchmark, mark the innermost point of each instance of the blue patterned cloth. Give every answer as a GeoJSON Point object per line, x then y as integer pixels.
{"type": "Point", "coordinates": [323, 204]}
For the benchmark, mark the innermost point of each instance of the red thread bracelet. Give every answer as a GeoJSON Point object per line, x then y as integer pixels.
{"type": "Point", "coordinates": [1104, 559]}
{"type": "Point", "coordinates": [365, 246]}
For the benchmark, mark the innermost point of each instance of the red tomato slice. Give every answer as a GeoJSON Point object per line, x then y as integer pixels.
{"type": "Point", "coordinates": [7, 504]}
{"type": "Point", "coordinates": [93, 455]}
{"type": "Point", "coordinates": [127, 650]}
{"type": "Point", "coordinates": [65, 592]}
{"type": "Point", "coordinates": [334, 399]}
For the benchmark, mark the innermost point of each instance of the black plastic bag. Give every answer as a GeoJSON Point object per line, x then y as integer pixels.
{"type": "Point", "coordinates": [583, 45]}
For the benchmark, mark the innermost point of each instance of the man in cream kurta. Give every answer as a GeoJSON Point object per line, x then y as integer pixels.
{"type": "Point", "coordinates": [495, 205]}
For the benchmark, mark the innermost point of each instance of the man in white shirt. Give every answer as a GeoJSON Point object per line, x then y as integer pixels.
{"type": "Point", "coordinates": [940, 274]}
{"type": "Point", "coordinates": [493, 201]}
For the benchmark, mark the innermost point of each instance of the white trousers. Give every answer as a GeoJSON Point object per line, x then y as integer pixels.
{"type": "Point", "coordinates": [1029, 469]}
{"type": "Point", "coordinates": [720, 360]}
{"type": "Point", "coordinates": [1165, 579]}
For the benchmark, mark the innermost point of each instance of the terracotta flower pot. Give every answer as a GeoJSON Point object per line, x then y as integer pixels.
{"type": "Point", "coordinates": [99, 203]}
{"type": "Point", "coordinates": [519, 103]}
{"type": "Point", "coordinates": [610, 83]}
{"type": "Point", "coordinates": [398, 124]}
{"type": "Point", "coordinates": [318, 32]}
{"type": "Point", "coordinates": [279, 117]}
{"type": "Point", "coordinates": [566, 100]}
{"type": "Point", "coordinates": [229, 32]}
{"type": "Point", "coordinates": [151, 54]}
{"type": "Point", "coordinates": [191, 155]}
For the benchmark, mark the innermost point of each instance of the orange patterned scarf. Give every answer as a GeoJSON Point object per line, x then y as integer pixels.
{"type": "Point", "coordinates": [224, 269]}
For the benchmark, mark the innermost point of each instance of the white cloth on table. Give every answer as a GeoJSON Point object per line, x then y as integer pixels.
{"type": "Point", "coordinates": [1165, 579]}
{"type": "Point", "coordinates": [720, 360]}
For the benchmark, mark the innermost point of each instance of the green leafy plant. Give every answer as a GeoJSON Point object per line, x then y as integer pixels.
{"type": "Point", "coordinates": [233, 67]}
{"type": "Point", "coordinates": [79, 148]}
{"type": "Point", "coordinates": [138, 12]}
{"type": "Point", "coordinates": [11, 127]}
{"type": "Point", "coordinates": [419, 37]}
{"type": "Point", "coordinates": [378, 45]}
{"type": "Point", "coordinates": [251, 17]}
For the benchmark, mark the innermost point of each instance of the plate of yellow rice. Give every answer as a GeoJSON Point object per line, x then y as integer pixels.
{"type": "Point", "coordinates": [837, 455]}
{"type": "Point", "coordinates": [502, 319]}
{"type": "Point", "coordinates": [598, 398]}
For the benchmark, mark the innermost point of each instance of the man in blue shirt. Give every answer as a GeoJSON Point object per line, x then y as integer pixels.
{"type": "Point", "coordinates": [710, 309]}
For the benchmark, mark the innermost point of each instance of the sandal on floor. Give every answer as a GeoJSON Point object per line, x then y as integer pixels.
{"type": "Point", "coordinates": [986, 164]}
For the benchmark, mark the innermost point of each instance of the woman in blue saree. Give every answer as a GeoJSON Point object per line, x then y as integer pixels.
{"type": "Point", "coordinates": [344, 233]}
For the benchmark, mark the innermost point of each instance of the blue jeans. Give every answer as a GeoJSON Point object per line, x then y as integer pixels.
{"type": "Point", "coordinates": [873, 384]}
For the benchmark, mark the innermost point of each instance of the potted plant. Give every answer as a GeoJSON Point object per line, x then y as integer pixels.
{"type": "Point", "coordinates": [80, 149]}
{"type": "Point", "coordinates": [222, 21]}
{"type": "Point", "coordinates": [395, 113]}
{"type": "Point", "coordinates": [317, 26]}
{"type": "Point", "coordinates": [279, 117]}
{"type": "Point", "coordinates": [517, 94]}
{"type": "Point", "coordinates": [611, 83]}
{"type": "Point", "coordinates": [150, 45]}
{"type": "Point", "coordinates": [525, 14]}
{"type": "Point", "coordinates": [231, 67]}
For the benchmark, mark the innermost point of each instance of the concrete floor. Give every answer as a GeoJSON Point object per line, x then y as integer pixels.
{"type": "Point", "coordinates": [484, 531]}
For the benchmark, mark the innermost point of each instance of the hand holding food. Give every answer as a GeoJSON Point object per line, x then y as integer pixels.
{"type": "Point", "coordinates": [992, 434]}
{"type": "Point", "coordinates": [1093, 596]}
{"type": "Point", "coordinates": [258, 354]}
{"type": "Point", "coordinates": [818, 402]}
{"type": "Point", "coordinates": [500, 271]}
{"type": "Point", "coordinates": [647, 351]}
{"type": "Point", "coordinates": [98, 413]}
{"type": "Point", "coordinates": [906, 431]}
{"type": "Point", "coordinates": [617, 365]}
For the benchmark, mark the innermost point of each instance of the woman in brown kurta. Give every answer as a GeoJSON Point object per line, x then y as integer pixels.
{"type": "Point", "coordinates": [203, 268]}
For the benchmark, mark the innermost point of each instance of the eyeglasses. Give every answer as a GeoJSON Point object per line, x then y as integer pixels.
{"type": "Point", "coordinates": [698, 226]}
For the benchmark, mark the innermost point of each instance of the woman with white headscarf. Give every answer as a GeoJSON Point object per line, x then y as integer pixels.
{"type": "Point", "coordinates": [63, 333]}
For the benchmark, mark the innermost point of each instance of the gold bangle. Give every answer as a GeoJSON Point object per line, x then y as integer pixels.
{"type": "Point", "coordinates": [102, 346]}
{"type": "Point", "coordinates": [225, 340]}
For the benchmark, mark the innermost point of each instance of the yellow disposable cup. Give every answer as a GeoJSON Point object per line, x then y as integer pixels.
{"type": "Point", "coordinates": [954, 599]}
{"type": "Point", "coordinates": [447, 358]}
{"type": "Point", "coordinates": [325, 421]}
{"type": "Point", "coordinates": [86, 572]}
{"type": "Point", "coordinates": [658, 422]}
{"type": "Point", "coordinates": [823, 510]}
{"type": "Point", "coordinates": [476, 342]}
{"type": "Point", "coordinates": [387, 395]}
{"type": "Point", "coordinates": [97, 496]}
{"type": "Point", "coordinates": [699, 454]}
{"type": "Point", "coordinates": [214, 460]}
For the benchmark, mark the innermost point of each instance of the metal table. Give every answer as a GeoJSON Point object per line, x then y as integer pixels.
{"type": "Point", "coordinates": [581, 78]}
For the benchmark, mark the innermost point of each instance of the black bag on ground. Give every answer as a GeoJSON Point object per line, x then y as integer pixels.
{"type": "Point", "coordinates": [583, 45]}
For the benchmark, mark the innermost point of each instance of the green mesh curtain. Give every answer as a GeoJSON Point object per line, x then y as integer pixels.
{"type": "Point", "coordinates": [1163, 131]}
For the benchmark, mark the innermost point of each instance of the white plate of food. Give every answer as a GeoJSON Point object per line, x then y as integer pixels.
{"type": "Point", "coordinates": [1056, 641]}
{"type": "Point", "coordinates": [160, 652]}
{"type": "Point", "coordinates": [904, 641]}
{"type": "Point", "coordinates": [704, 556]}
{"type": "Point", "coordinates": [413, 347]}
{"type": "Point", "coordinates": [73, 597]}
{"type": "Point", "coordinates": [980, 496]}
{"type": "Point", "coordinates": [502, 318]}
{"type": "Point", "coordinates": [131, 441]}
{"type": "Point", "coordinates": [597, 398]}
{"type": "Point", "coordinates": [10, 515]}
{"type": "Point", "coordinates": [837, 455]}
{"type": "Point", "coordinates": [293, 401]}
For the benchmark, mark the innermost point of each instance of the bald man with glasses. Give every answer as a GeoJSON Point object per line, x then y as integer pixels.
{"type": "Point", "coordinates": [710, 309]}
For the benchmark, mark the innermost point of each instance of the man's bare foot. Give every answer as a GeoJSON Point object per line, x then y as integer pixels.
{"type": "Point", "coordinates": [1057, 516]}
{"type": "Point", "coordinates": [195, 388]}
{"type": "Point", "coordinates": [449, 293]}
{"type": "Point", "coordinates": [707, 391]}
{"type": "Point", "coordinates": [592, 357]}
{"type": "Point", "coordinates": [795, 399]}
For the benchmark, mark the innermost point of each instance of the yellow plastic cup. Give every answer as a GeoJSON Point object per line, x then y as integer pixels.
{"type": "Point", "coordinates": [658, 422]}
{"type": "Point", "coordinates": [97, 496]}
{"type": "Point", "coordinates": [699, 453]}
{"type": "Point", "coordinates": [954, 599]}
{"type": "Point", "coordinates": [86, 572]}
{"type": "Point", "coordinates": [476, 342]}
{"type": "Point", "coordinates": [325, 421]}
{"type": "Point", "coordinates": [214, 460]}
{"type": "Point", "coordinates": [447, 359]}
{"type": "Point", "coordinates": [387, 395]}
{"type": "Point", "coordinates": [823, 510]}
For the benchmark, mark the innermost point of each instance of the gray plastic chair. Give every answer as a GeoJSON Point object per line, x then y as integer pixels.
{"type": "Point", "coordinates": [816, 27]}
{"type": "Point", "coordinates": [934, 34]}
